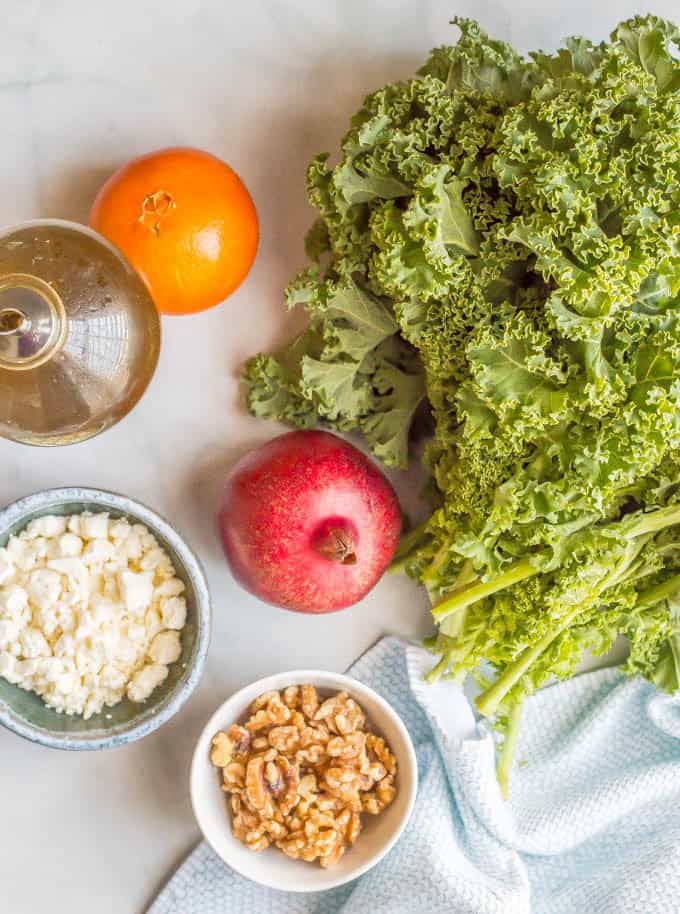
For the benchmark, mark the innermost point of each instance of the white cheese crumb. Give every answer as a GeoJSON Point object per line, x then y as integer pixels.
{"type": "Point", "coordinates": [153, 622]}
{"type": "Point", "coordinates": [44, 587]}
{"type": "Point", "coordinates": [70, 544]}
{"type": "Point", "coordinates": [21, 553]}
{"type": "Point", "coordinates": [165, 648]}
{"type": "Point", "coordinates": [73, 523]}
{"type": "Point", "coordinates": [174, 612]}
{"type": "Point", "coordinates": [145, 681]}
{"type": "Point", "coordinates": [9, 632]}
{"type": "Point", "coordinates": [14, 602]}
{"type": "Point", "coordinates": [49, 526]}
{"type": "Point", "coordinates": [90, 611]}
{"type": "Point", "coordinates": [94, 526]}
{"type": "Point", "coordinates": [8, 669]}
{"type": "Point", "coordinates": [33, 643]}
{"type": "Point", "coordinates": [119, 529]}
{"type": "Point", "coordinates": [172, 587]}
{"type": "Point", "coordinates": [7, 569]}
{"type": "Point", "coordinates": [136, 590]}
{"type": "Point", "coordinates": [99, 550]}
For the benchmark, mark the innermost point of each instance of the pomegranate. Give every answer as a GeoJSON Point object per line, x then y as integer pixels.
{"type": "Point", "coordinates": [308, 522]}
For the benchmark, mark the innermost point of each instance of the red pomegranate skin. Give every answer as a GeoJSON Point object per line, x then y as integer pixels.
{"type": "Point", "coordinates": [308, 522]}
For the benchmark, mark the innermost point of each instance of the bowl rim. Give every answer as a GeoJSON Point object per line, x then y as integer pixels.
{"type": "Point", "coordinates": [329, 679]}
{"type": "Point", "coordinates": [44, 499]}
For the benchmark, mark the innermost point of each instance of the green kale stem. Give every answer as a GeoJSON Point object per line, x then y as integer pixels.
{"type": "Point", "coordinates": [399, 565]}
{"type": "Point", "coordinates": [488, 702]}
{"type": "Point", "coordinates": [407, 545]}
{"type": "Point", "coordinates": [655, 521]}
{"type": "Point", "coordinates": [466, 596]}
{"type": "Point", "coordinates": [457, 676]}
{"type": "Point", "coordinates": [430, 572]}
{"type": "Point", "coordinates": [660, 592]}
{"type": "Point", "coordinates": [507, 753]}
{"type": "Point", "coordinates": [525, 568]}
{"type": "Point", "coordinates": [439, 669]}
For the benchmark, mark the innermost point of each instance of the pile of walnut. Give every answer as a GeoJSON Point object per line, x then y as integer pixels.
{"type": "Point", "coordinates": [301, 771]}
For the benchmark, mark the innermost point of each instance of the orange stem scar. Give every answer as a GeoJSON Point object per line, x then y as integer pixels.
{"type": "Point", "coordinates": [155, 207]}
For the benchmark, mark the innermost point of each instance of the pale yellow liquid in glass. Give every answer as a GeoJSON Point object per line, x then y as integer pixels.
{"type": "Point", "coordinates": [79, 334]}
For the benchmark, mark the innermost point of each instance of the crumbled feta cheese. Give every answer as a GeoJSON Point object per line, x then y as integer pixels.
{"type": "Point", "coordinates": [106, 641]}
{"type": "Point", "coordinates": [90, 610]}
{"type": "Point", "coordinates": [157, 560]}
{"type": "Point", "coordinates": [149, 541]}
{"type": "Point", "coordinates": [21, 552]}
{"type": "Point", "coordinates": [99, 550]}
{"type": "Point", "coordinates": [73, 523]}
{"type": "Point", "coordinates": [16, 549]}
{"type": "Point", "coordinates": [103, 609]}
{"type": "Point", "coordinates": [66, 682]}
{"type": "Point", "coordinates": [67, 618]}
{"type": "Point", "coordinates": [136, 632]}
{"type": "Point", "coordinates": [13, 602]}
{"type": "Point", "coordinates": [7, 570]}
{"type": "Point", "coordinates": [94, 526]}
{"type": "Point", "coordinates": [9, 632]}
{"type": "Point", "coordinates": [8, 667]}
{"type": "Point", "coordinates": [44, 588]}
{"type": "Point", "coordinates": [86, 626]}
{"type": "Point", "coordinates": [165, 648]}
{"type": "Point", "coordinates": [33, 643]}
{"type": "Point", "coordinates": [49, 669]}
{"type": "Point", "coordinates": [126, 653]}
{"type": "Point", "coordinates": [171, 587]}
{"type": "Point", "coordinates": [109, 587]}
{"type": "Point", "coordinates": [65, 646]}
{"type": "Point", "coordinates": [174, 612]}
{"type": "Point", "coordinates": [49, 526]}
{"type": "Point", "coordinates": [27, 668]}
{"type": "Point", "coordinates": [131, 547]}
{"type": "Point", "coordinates": [145, 681]}
{"type": "Point", "coordinates": [41, 547]}
{"type": "Point", "coordinates": [47, 619]}
{"type": "Point", "coordinates": [112, 677]}
{"type": "Point", "coordinates": [70, 544]}
{"type": "Point", "coordinates": [75, 569]}
{"type": "Point", "coordinates": [119, 529]}
{"type": "Point", "coordinates": [136, 590]}
{"type": "Point", "coordinates": [153, 622]}
{"type": "Point", "coordinates": [87, 662]}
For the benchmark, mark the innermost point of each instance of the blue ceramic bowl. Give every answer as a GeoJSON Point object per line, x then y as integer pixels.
{"type": "Point", "coordinates": [24, 712]}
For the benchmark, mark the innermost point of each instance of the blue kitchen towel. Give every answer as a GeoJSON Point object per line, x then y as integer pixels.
{"type": "Point", "coordinates": [592, 825]}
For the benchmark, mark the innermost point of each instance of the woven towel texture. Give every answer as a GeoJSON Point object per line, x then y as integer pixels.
{"type": "Point", "coordinates": [592, 826]}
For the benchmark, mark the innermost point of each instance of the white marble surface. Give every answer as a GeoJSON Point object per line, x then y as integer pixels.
{"type": "Point", "coordinates": [265, 84]}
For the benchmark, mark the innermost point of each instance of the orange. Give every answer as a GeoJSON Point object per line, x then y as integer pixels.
{"type": "Point", "coordinates": [185, 221]}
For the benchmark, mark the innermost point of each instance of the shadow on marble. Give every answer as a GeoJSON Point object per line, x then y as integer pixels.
{"type": "Point", "coordinates": [72, 194]}
{"type": "Point", "coordinates": [324, 97]}
{"type": "Point", "coordinates": [202, 487]}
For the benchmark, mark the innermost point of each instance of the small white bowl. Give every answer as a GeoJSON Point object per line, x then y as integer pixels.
{"type": "Point", "coordinates": [271, 867]}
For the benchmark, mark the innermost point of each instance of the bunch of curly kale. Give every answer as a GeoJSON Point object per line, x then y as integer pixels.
{"type": "Point", "coordinates": [501, 241]}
